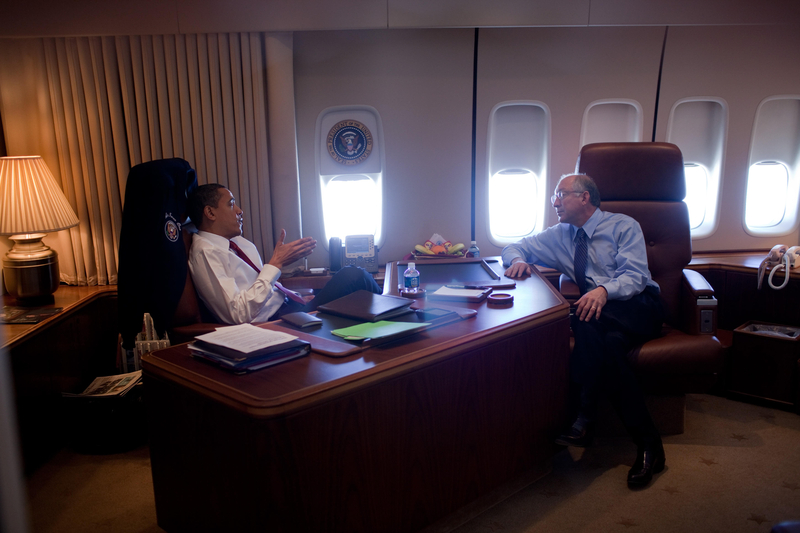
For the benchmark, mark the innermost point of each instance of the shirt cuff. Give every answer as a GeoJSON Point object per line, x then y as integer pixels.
{"type": "Point", "coordinates": [270, 273]}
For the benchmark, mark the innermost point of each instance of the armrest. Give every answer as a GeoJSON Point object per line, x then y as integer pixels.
{"type": "Point", "coordinates": [698, 304]}
{"type": "Point", "coordinates": [697, 284]}
{"type": "Point", "coordinates": [568, 289]}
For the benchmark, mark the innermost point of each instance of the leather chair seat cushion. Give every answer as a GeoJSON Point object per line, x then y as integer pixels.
{"type": "Point", "coordinates": [678, 353]}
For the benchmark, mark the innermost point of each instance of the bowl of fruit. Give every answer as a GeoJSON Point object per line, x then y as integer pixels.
{"type": "Point", "coordinates": [438, 248]}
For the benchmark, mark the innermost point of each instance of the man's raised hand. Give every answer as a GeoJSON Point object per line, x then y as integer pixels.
{"type": "Point", "coordinates": [287, 253]}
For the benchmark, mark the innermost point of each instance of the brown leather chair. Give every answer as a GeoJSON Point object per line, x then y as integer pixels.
{"type": "Point", "coordinates": [646, 181]}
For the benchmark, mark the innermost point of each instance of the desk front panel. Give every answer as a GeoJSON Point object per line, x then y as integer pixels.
{"type": "Point", "coordinates": [391, 439]}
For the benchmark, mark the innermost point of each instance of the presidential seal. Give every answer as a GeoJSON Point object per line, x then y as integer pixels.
{"type": "Point", "coordinates": [172, 229]}
{"type": "Point", "coordinates": [349, 142]}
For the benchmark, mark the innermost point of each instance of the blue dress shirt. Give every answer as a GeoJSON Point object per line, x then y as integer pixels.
{"type": "Point", "coordinates": [617, 253]}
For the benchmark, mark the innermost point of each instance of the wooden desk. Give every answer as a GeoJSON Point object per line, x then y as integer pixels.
{"type": "Point", "coordinates": [390, 439]}
{"type": "Point", "coordinates": [63, 353]}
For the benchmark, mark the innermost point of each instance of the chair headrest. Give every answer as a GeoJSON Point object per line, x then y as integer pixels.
{"type": "Point", "coordinates": [635, 171]}
{"type": "Point", "coordinates": [171, 178]}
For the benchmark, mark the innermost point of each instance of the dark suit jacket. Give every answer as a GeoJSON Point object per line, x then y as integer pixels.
{"type": "Point", "coordinates": [152, 255]}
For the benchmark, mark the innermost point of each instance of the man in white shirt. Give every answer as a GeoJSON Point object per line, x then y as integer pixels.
{"type": "Point", "coordinates": [228, 272]}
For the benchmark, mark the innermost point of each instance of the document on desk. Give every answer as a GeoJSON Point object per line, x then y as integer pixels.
{"type": "Point", "coordinates": [377, 330]}
{"type": "Point", "coordinates": [464, 295]}
{"type": "Point", "coordinates": [245, 338]}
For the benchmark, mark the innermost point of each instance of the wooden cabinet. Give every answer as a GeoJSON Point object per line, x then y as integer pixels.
{"type": "Point", "coordinates": [63, 353]}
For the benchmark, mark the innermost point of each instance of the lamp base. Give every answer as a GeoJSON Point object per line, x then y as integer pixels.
{"type": "Point", "coordinates": [30, 269]}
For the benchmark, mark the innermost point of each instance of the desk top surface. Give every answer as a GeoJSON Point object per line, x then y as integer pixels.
{"type": "Point", "coordinates": [302, 382]}
{"type": "Point", "coordinates": [68, 297]}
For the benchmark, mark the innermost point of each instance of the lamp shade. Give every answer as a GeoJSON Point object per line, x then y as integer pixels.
{"type": "Point", "coordinates": [30, 199]}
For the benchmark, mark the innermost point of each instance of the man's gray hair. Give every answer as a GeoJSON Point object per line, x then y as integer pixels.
{"type": "Point", "coordinates": [583, 182]}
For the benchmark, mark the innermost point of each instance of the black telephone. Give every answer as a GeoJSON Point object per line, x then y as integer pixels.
{"type": "Point", "coordinates": [358, 250]}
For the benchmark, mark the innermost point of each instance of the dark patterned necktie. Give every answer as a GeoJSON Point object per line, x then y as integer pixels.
{"type": "Point", "coordinates": [579, 262]}
{"type": "Point", "coordinates": [243, 256]}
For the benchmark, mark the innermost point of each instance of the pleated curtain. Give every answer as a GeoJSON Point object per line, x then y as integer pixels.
{"type": "Point", "coordinates": [114, 102]}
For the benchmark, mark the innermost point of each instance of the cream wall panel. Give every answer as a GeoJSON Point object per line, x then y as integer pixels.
{"type": "Point", "coordinates": [32, 18]}
{"type": "Point", "coordinates": [566, 69]}
{"type": "Point", "coordinates": [679, 12]}
{"type": "Point", "coordinates": [420, 81]}
{"type": "Point", "coordinates": [208, 16]}
{"type": "Point", "coordinates": [472, 13]}
{"type": "Point", "coordinates": [742, 65]}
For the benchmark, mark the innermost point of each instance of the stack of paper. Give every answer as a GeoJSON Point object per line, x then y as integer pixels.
{"type": "Point", "coordinates": [245, 348]}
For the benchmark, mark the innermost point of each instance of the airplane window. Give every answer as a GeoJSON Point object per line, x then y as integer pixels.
{"type": "Point", "coordinates": [612, 120]}
{"type": "Point", "coordinates": [351, 166]}
{"type": "Point", "coordinates": [511, 214]}
{"type": "Point", "coordinates": [518, 161]}
{"type": "Point", "coordinates": [696, 193]}
{"type": "Point", "coordinates": [698, 126]}
{"type": "Point", "coordinates": [767, 189]}
{"type": "Point", "coordinates": [351, 206]}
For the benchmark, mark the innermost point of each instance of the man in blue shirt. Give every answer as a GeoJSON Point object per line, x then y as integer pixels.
{"type": "Point", "coordinates": [619, 308]}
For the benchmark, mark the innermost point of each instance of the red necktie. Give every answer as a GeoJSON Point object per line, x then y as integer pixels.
{"type": "Point", "coordinates": [243, 256]}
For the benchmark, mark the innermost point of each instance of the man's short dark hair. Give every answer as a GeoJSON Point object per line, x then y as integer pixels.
{"type": "Point", "coordinates": [583, 182]}
{"type": "Point", "coordinates": [201, 197]}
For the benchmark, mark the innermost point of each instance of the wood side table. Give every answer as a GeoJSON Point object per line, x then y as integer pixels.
{"type": "Point", "coordinates": [63, 353]}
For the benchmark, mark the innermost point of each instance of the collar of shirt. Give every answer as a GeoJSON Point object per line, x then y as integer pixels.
{"type": "Point", "coordinates": [589, 226]}
{"type": "Point", "coordinates": [217, 240]}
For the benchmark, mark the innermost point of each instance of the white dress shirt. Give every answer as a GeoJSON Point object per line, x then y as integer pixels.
{"type": "Point", "coordinates": [228, 286]}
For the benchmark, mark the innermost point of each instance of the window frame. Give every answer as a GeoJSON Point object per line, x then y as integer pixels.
{"type": "Point", "coordinates": [764, 148]}
{"type": "Point", "coordinates": [373, 167]}
{"type": "Point", "coordinates": [542, 159]}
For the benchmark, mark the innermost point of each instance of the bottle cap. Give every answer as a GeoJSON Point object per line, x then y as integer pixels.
{"type": "Point", "coordinates": [412, 266]}
{"type": "Point", "coordinates": [472, 242]}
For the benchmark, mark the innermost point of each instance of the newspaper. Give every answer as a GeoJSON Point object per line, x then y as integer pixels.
{"type": "Point", "coordinates": [116, 385]}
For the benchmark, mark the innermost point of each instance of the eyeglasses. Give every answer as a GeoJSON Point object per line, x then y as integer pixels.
{"type": "Point", "coordinates": [561, 194]}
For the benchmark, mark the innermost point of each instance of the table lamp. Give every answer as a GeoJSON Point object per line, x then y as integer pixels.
{"type": "Point", "coordinates": [31, 205]}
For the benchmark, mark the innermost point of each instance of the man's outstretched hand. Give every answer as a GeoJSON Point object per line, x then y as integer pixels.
{"type": "Point", "coordinates": [518, 270]}
{"type": "Point", "coordinates": [290, 252]}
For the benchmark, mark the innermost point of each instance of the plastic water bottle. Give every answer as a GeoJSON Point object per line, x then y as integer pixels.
{"type": "Point", "coordinates": [473, 250]}
{"type": "Point", "coordinates": [411, 276]}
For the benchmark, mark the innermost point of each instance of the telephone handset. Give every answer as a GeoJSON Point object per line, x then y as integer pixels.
{"type": "Point", "coordinates": [358, 250]}
{"type": "Point", "coordinates": [789, 259]}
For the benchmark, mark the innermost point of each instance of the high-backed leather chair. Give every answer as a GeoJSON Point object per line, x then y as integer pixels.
{"type": "Point", "coordinates": [153, 272]}
{"type": "Point", "coordinates": [646, 182]}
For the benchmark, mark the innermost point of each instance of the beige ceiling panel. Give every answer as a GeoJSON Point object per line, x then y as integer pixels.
{"type": "Point", "coordinates": [479, 13]}
{"type": "Point", "coordinates": [201, 16]}
{"type": "Point", "coordinates": [46, 18]}
{"type": "Point", "coordinates": [693, 12]}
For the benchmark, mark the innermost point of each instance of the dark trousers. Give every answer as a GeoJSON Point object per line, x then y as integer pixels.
{"type": "Point", "coordinates": [348, 280]}
{"type": "Point", "coordinates": [599, 361]}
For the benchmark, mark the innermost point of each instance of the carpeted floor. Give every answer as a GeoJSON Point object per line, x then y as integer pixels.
{"type": "Point", "coordinates": [735, 469]}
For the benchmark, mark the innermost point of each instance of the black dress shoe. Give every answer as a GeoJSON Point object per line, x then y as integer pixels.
{"type": "Point", "coordinates": [649, 461]}
{"type": "Point", "coordinates": [579, 436]}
